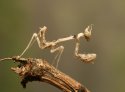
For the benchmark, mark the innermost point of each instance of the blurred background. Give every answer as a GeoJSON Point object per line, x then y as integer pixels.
{"type": "Point", "coordinates": [20, 19]}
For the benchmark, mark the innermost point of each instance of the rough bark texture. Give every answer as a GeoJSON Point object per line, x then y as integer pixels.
{"type": "Point", "coordinates": [40, 70]}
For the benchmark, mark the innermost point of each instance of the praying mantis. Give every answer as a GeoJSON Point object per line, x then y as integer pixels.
{"type": "Point", "coordinates": [54, 47]}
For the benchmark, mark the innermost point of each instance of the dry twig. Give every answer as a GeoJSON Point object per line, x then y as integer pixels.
{"type": "Point", "coordinates": [30, 69]}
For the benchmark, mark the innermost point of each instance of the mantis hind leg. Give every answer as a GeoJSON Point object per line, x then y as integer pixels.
{"type": "Point", "coordinates": [32, 40]}
{"type": "Point", "coordinates": [36, 37]}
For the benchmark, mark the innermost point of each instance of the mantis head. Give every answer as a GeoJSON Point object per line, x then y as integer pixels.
{"type": "Point", "coordinates": [87, 32]}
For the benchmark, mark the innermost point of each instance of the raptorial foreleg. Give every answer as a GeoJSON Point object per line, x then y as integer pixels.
{"type": "Point", "coordinates": [87, 58]}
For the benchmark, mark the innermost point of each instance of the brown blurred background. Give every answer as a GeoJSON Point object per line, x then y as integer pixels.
{"type": "Point", "coordinates": [20, 19]}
